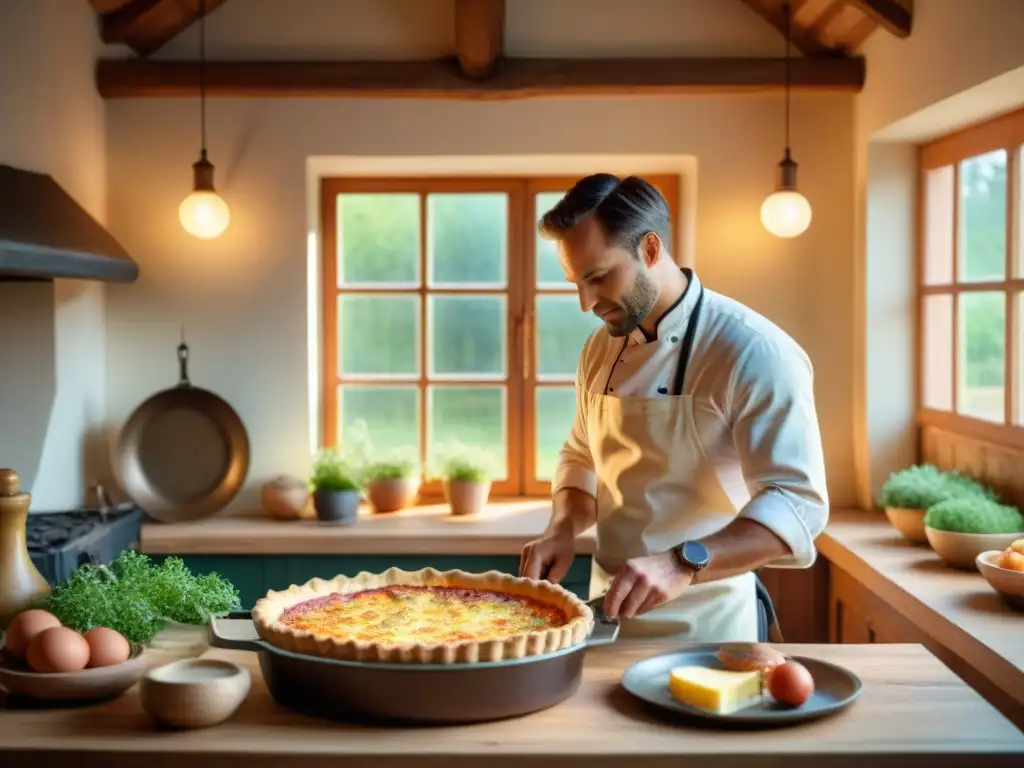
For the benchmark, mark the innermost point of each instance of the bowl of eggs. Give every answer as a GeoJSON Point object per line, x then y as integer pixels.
{"type": "Point", "coordinates": [42, 659]}
{"type": "Point", "coordinates": [1003, 569]}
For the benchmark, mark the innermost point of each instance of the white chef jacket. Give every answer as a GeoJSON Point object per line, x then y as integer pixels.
{"type": "Point", "coordinates": [753, 402]}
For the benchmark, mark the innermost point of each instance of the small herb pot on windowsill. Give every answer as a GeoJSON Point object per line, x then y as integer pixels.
{"type": "Point", "coordinates": [392, 485]}
{"type": "Point", "coordinates": [959, 530]}
{"type": "Point", "coordinates": [467, 486]}
{"type": "Point", "coordinates": [337, 490]}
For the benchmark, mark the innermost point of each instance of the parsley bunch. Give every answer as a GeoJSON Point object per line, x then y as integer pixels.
{"type": "Point", "coordinates": [137, 597]}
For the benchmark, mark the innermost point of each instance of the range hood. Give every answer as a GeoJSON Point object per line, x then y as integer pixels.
{"type": "Point", "coordinates": [45, 234]}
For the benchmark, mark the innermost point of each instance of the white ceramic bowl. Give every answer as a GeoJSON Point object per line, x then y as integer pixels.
{"type": "Point", "coordinates": [961, 550]}
{"type": "Point", "coordinates": [909, 522]}
{"type": "Point", "coordinates": [194, 693]}
{"type": "Point", "coordinates": [1009, 584]}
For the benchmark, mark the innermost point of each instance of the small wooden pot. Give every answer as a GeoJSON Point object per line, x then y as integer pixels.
{"type": "Point", "coordinates": [284, 498]}
{"type": "Point", "coordinates": [909, 522]}
{"type": "Point", "coordinates": [393, 494]}
{"type": "Point", "coordinates": [466, 498]}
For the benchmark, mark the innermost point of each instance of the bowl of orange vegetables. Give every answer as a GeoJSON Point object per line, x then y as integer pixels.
{"type": "Point", "coordinates": [1003, 569]}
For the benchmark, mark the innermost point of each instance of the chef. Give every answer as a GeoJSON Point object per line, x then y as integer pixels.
{"type": "Point", "coordinates": [695, 447]}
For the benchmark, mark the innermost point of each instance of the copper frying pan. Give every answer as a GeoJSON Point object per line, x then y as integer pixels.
{"type": "Point", "coordinates": [183, 454]}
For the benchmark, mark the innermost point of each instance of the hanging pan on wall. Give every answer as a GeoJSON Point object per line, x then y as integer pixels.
{"type": "Point", "coordinates": [183, 454]}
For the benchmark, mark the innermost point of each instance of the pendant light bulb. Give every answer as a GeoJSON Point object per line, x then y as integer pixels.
{"type": "Point", "coordinates": [785, 212]}
{"type": "Point", "coordinates": [204, 213]}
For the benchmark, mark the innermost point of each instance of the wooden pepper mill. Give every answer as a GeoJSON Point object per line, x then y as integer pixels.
{"type": "Point", "coordinates": [21, 584]}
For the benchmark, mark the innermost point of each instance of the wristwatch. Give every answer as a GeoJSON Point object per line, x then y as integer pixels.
{"type": "Point", "coordinates": [692, 554]}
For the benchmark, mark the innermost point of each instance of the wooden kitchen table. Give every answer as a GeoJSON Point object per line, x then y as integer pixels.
{"type": "Point", "coordinates": [912, 712]}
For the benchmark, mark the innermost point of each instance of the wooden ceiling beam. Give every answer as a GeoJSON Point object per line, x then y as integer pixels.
{"type": "Point", "coordinates": [442, 79]}
{"type": "Point", "coordinates": [803, 40]}
{"type": "Point", "coordinates": [147, 25]}
{"type": "Point", "coordinates": [889, 14]}
{"type": "Point", "coordinates": [479, 35]}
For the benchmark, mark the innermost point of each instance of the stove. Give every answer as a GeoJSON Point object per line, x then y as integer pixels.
{"type": "Point", "coordinates": [59, 542]}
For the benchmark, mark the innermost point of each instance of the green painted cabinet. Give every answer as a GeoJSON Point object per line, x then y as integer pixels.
{"type": "Point", "coordinates": [254, 575]}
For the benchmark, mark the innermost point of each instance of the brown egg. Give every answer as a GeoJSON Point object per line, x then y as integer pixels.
{"type": "Point", "coordinates": [24, 627]}
{"type": "Point", "coordinates": [58, 649]}
{"type": "Point", "coordinates": [106, 647]}
{"type": "Point", "coordinates": [791, 683]}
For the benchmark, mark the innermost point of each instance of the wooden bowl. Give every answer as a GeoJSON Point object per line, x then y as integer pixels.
{"type": "Point", "coordinates": [909, 522]}
{"type": "Point", "coordinates": [1008, 583]}
{"type": "Point", "coordinates": [194, 693]}
{"type": "Point", "coordinates": [89, 684]}
{"type": "Point", "coordinates": [961, 550]}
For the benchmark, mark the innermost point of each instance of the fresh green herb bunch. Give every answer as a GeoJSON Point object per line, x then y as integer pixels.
{"type": "Point", "coordinates": [464, 469]}
{"type": "Point", "coordinates": [332, 473]}
{"type": "Point", "coordinates": [137, 597]}
{"type": "Point", "coordinates": [974, 515]}
{"type": "Point", "coordinates": [391, 469]}
{"type": "Point", "coordinates": [924, 485]}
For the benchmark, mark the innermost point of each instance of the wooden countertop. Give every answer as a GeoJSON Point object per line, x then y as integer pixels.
{"type": "Point", "coordinates": [967, 624]}
{"type": "Point", "coordinates": [501, 529]}
{"type": "Point", "coordinates": [912, 711]}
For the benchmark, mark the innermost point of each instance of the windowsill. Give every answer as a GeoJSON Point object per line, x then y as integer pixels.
{"type": "Point", "coordinates": [503, 528]}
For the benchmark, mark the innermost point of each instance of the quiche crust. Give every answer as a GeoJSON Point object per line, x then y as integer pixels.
{"type": "Point", "coordinates": [267, 612]}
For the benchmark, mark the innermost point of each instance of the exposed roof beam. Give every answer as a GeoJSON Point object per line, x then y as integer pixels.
{"type": "Point", "coordinates": [479, 35]}
{"type": "Point", "coordinates": [148, 25]}
{"type": "Point", "coordinates": [804, 41]}
{"type": "Point", "coordinates": [890, 14]}
{"type": "Point", "coordinates": [442, 79]}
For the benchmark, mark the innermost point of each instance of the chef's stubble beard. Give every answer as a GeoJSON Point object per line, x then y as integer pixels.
{"type": "Point", "coordinates": [636, 304]}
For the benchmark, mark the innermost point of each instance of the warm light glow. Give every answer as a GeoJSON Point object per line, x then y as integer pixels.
{"type": "Point", "coordinates": [786, 213]}
{"type": "Point", "coordinates": [204, 214]}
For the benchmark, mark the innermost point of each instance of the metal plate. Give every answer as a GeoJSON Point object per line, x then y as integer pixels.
{"type": "Point", "coordinates": [834, 689]}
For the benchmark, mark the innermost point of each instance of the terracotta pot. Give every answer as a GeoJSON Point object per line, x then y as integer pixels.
{"type": "Point", "coordinates": [909, 522]}
{"type": "Point", "coordinates": [392, 494]}
{"type": "Point", "coordinates": [284, 497]}
{"type": "Point", "coordinates": [466, 498]}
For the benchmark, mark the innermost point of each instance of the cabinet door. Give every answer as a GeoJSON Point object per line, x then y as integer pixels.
{"type": "Point", "coordinates": [856, 615]}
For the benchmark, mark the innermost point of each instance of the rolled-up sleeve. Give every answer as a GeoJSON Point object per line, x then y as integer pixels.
{"type": "Point", "coordinates": [774, 423]}
{"type": "Point", "coordinates": [575, 467]}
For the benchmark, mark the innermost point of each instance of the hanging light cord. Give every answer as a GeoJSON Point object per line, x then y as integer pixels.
{"type": "Point", "coordinates": [785, 7]}
{"type": "Point", "coordinates": [202, 74]}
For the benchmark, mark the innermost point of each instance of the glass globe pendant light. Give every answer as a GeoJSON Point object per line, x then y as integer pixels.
{"type": "Point", "coordinates": [785, 212]}
{"type": "Point", "coordinates": [203, 214]}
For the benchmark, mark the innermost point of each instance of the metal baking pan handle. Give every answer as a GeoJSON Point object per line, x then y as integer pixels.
{"type": "Point", "coordinates": [234, 634]}
{"type": "Point", "coordinates": [606, 630]}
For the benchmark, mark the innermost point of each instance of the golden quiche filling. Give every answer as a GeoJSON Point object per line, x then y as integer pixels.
{"type": "Point", "coordinates": [425, 614]}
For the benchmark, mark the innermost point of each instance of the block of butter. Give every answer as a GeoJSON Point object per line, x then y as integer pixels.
{"type": "Point", "coordinates": [716, 690]}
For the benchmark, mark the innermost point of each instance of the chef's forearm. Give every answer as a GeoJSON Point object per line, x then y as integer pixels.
{"type": "Point", "coordinates": [743, 545]}
{"type": "Point", "coordinates": [573, 511]}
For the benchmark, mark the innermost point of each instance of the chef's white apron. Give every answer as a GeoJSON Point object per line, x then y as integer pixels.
{"type": "Point", "coordinates": [656, 489]}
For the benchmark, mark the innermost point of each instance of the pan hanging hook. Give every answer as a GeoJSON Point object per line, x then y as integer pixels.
{"type": "Point", "coordinates": [183, 361]}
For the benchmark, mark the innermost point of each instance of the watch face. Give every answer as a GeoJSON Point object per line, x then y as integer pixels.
{"type": "Point", "coordinates": [696, 554]}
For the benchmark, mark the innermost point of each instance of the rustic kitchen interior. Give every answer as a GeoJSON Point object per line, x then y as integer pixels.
{"type": "Point", "coordinates": [274, 309]}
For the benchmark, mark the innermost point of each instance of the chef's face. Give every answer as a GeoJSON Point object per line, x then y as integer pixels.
{"type": "Point", "coordinates": [614, 284]}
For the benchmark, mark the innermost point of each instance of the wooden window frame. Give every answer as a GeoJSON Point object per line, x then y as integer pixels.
{"type": "Point", "coordinates": [1003, 132]}
{"type": "Point", "coordinates": [521, 382]}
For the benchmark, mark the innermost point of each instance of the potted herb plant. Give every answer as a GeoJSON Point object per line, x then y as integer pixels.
{"type": "Point", "coordinates": [392, 484]}
{"type": "Point", "coordinates": [908, 494]}
{"type": "Point", "coordinates": [467, 484]}
{"type": "Point", "coordinates": [337, 489]}
{"type": "Point", "coordinates": [960, 529]}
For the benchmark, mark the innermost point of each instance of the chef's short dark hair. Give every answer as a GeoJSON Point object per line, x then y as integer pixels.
{"type": "Point", "coordinates": [627, 210]}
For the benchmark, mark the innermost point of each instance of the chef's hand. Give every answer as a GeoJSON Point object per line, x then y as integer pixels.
{"type": "Point", "coordinates": [548, 557]}
{"type": "Point", "coordinates": [645, 583]}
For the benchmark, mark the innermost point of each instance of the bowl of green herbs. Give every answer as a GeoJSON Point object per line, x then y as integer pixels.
{"type": "Point", "coordinates": [958, 530]}
{"type": "Point", "coordinates": [142, 599]}
{"type": "Point", "coordinates": [908, 494]}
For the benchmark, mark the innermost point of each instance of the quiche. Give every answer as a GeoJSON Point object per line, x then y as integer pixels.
{"type": "Point", "coordinates": [425, 616]}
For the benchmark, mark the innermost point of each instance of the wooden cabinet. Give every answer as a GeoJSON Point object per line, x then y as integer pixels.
{"type": "Point", "coordinates": [856, 615]}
